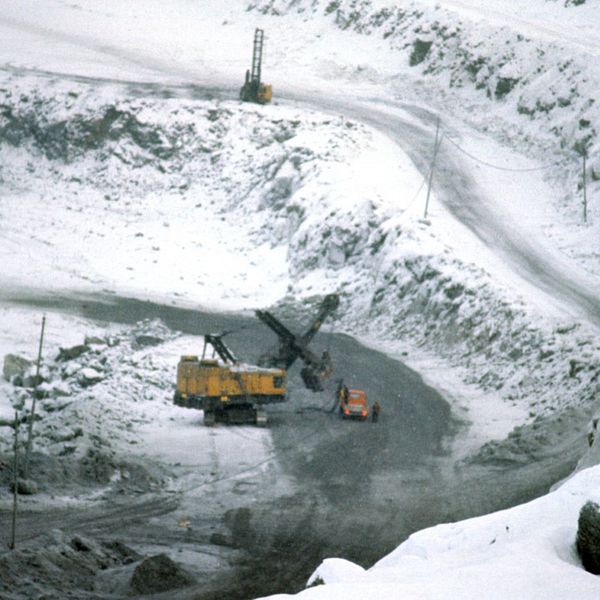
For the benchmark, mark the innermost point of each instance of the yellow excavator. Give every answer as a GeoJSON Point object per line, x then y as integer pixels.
{"type": "Point", "coordinates": [228, 391]}
{"type": "Point", "coordinates": [253, 89]}
{"type": "Point", "coordinates": [232, 392]}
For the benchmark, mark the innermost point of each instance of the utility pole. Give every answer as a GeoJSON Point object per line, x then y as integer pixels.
{"type": "Point", "coordinates": [436, 147]}
{"type": "Point", "coordinates": [15, 485]}
{"type": "Point", "coordinates": [33, 401]}
{"type": "Point", "coordinates": [584, 187]}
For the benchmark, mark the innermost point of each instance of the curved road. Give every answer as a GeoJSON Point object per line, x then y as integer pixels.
{"type": "Point", "coordinates": [458, 190]}
{"type": "Point", "coordinates": [453, 183]}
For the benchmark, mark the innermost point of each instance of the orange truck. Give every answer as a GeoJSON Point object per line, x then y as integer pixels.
{"type": "Point", "coordinates": [353, 404]}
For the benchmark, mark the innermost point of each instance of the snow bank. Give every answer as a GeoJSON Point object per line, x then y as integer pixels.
{"type": "Point", "coordinates": [96, 394]}
{"type": "Point", "coordinates": [524, 552]}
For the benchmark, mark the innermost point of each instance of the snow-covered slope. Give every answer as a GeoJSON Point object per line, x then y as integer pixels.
{"type": "Point", "coordinates": [120, 175]}
{"type": "Point", "coordinates": [525, 552]}
{"type": "Point", "coordinates": [523, 72]}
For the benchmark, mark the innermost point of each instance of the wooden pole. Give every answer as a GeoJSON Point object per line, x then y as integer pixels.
{"type": "Point", "coordinates": [584, 188]}
{"type": "Point", "coordinates": [436, 147]}
{"type": "Point", "coordinates": [13, 536]}
{"type": "Point", "coordinates": [33, 401]}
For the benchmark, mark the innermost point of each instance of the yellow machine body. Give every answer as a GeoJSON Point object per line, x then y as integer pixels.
{"type": "Point", "coordinates": [208, 379]}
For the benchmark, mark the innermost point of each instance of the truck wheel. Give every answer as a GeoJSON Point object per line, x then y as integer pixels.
{"type": "Point", "coordinates": [261, 418]}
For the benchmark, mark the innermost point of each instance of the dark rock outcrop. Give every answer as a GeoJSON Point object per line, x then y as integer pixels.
{"type": "Point", "coordinates": [159, 574]}
{"type": "Point", "coordinates": [588, 537]}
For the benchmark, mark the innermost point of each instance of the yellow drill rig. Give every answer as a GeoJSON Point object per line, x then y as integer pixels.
{"type": "Point", "coordinates": [253, 89]}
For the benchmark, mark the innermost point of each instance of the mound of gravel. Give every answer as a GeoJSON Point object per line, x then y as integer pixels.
{"type": "Point", "coordinates": [67, 566]}
{"type": "Point", "coordinates": [159, 574]}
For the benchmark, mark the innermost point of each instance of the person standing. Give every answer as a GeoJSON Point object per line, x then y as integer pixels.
{"type": "Point", "coordinates": [375, 411]}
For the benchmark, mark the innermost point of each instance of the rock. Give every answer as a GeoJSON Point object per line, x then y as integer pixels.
{"type": "Point", "coordinates": [83, 544]}
{"type": "Point", "coordinates": [575, 367]}
{"type": "Point", "coordinates": [97, 466]}
{"type": "Point", "coordinates": [32, 381]}
{"type": "Point", "coordinates": [588, 537]}
{"type": "Point", "coordinates": [25, 487]}
{"type": "Point", "coordinates": [56, 536]}
{"type": "Point", "coordinates": [218, 539]}
{"type": "Point", "coordinates": [566, 328]}
{"type": "Point", "coordinates": [148, 340]}
{"type": "Point", "coordinates": [15, 365]}
{"type": "Point", "coordinates": [94, 340]}
{"type": "Point", "coordinates": [65, 434]}
{"type": "Point", "coordinates": [126, 554]}
{"type": "Point", "coordinates": [53, 389]}
{"type": "Point", "coordinates": [65, 354]}
{"type": "Point", "coordinates": [59, 389]}
{"type": "Point", "coordinates": [420, 50]}
{"type": "Point", "coordinates": [55, 405]}
{"type": "Point", "coordinates": [88, 377]}
{"type": "Point", "coordinates": [159, 574]}
{"type": "Point", "coordinates": [70, 369]}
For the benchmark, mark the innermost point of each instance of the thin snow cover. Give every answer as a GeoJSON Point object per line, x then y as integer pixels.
{"type": "Point", "coordinates": [525, 552]}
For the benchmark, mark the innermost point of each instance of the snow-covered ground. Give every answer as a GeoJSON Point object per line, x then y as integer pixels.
{"type": "Point", "coordinates": [119, 175]}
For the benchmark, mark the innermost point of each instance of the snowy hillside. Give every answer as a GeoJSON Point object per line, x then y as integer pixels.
{"type": "Point", "coordinates": [129, 168]}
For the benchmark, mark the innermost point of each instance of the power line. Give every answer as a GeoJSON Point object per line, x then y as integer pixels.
{"type": "Point", "coordinates": [487, 164]}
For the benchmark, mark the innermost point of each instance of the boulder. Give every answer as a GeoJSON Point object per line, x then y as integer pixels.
{"type": "Point", "coordinates": [72, 353]}
{"type": "Point", "coordinates": [88, 377]}
{"type": "Point", "coordinates": [84, 544]}
{"type": "Point", "coordinates": [70, 369]}
{"type": "Point", "coordinates": [148, 340]}
{"type": "Point", "coordinates": [32, 381]}
{"type": "Point", "coordinates": [25, 487]}
{"type": "Point", "coordinates": [15, 365]}
{"type": "Point", "coordinates": [64, 434]}
{"type": "Point", "coordinates": [159, 574]}
{"type": "Point", "coordinates": [588, 537]}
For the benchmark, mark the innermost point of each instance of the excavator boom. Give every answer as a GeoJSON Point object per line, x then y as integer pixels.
{"type": "Point", "coordinates": [292, 347]}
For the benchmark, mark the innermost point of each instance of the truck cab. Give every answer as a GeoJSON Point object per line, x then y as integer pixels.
{"type": "Point", "coordinates": [353, 405]}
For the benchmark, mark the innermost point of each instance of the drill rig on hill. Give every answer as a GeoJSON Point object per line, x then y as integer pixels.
{"type": "Point", "coordinates": [253, 89]}
{"type": "Point", "coordinates": [230, 391]}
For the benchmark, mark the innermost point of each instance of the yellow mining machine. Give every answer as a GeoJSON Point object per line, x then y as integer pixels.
{"type": "Point", "coordinates": [253, 89]}
{"type": "Point", "coordinates": [229, 391]}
